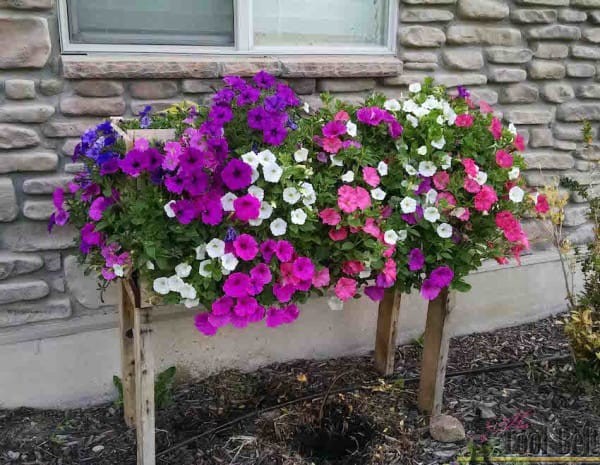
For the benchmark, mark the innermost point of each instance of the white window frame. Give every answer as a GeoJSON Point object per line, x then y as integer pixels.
{"type": "Point", "coordinates": [244, 40]}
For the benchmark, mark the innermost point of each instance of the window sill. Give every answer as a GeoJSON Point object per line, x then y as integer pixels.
{"type": "Point", "coordinates": [186, 66]}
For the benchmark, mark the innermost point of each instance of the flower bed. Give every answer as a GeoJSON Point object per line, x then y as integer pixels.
{"type": "Point", "coordinates": [258, 202]}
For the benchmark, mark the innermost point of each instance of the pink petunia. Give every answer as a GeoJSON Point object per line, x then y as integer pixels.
{"type": "Point", "coordinates": [237, 285]}
{"type": "Point", "coordinates": [331, 144]}
{"type": "Point", "coordinates": [371, 228]}
{"type": "Point", "coordinates": [342, 116]}
{"type": "Point", "coordinates": [345, 288]}
{"type": "Point", "coordinates": [496, 128]}
{"type": "Point", "coordinates": [484, 107]}
{"type": "Point", "coordinates": [470, 185]}
{"type": "Point", "coordinates": [363, 199]}
{"type": "Point", "coordinates": [470, 166]}
{"type": "Point", "coordinates": [246, 207]}
{"type": "Point", "coordinates": [485, 199]}
{"type": "Point", "coordinates": [321, 278]}
{"type": "Point", "coordinates": [347, 200]}
{"type": "Point", "coordinates": [338, 234]}
{"type": "Point", "coordinates": [303, 269]}
{"type": "Point", "coordinates": [222, 306]}
{"type": "Point", "coordinates": [203, 325]}
{"type": "Point", "coordinates": [330, 217]}
{"type": "Point", "coordinates": [519, 142]}
{"type": "Point", "coordinates": [441, 180]}
{"type": "Point", "coordinates": [504, 159]}
{"type": "Point", "coordinates": [464, 120]}
{"type": "Point", "coordinates": [352, 267]}
{"type": "Point", "coordinates": [245, 247]}
{"type": "Point", "coordinates": [284, 251]}
{"type": "Point", "coordinates": [370, 176]}
{"type": "Point", "coordinates": [541, 204]}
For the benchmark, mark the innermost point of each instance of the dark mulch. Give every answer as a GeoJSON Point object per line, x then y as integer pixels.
{"type": "Point", "coordinates": [377, 423]}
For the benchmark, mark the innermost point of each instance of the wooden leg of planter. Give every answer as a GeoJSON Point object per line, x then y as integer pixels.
{"type": "Point", "coordinates": [385, 339]}
{"type": "Point", "coordinates": [126, 311]}
{"type": "Point", "coordinates": [435, 355]}
{"type": "Point", "coordinates": [144, 384]}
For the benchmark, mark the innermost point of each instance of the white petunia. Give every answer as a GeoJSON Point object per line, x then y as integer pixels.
{"type": "Point", "coordinates": [298, 216]}
{"type": "Point", "coordinates": [190, 303]}
{"type": "Point", "coordinates": [446, 162]}
{"type": "Point", "coordinates": [200, 252]}
{"type": "Point", "coordinates": [149, 265]}
{"type": "Point", "coordinates": [251, 159]}
{"type": "Point", "coordinates": [265, 211]}
{"type": "Point", "coordinates": [119, 270]}
{"type": "Point", "coordinates": [382, 168]}
{"type": "Point", "coordinates": [402, 235]}
{"type": "Point", "coordinates": [278, 227]}
{"type": "Point", "coordinates": [291, 195]}
{"type": "Point", "coordinates": [514, 173]}
{"type": "Point", "coordinates": [255, 175]}
{"type": "Point", "coordinates": [203, 269]}
{"type": "Point", "coordinates": [392, 105]}
{"type": "Point", "coordinates": [272, 172]}
{"type": "Point", "coordinates": [439, 144]}
{"type": "Point", "coordinates": [348, 176]}
{"type": "Point", "coordinates": [183, 270]}
{"type": "Point", "coordinates": [421, 111]}
{"type": "Point", "coordinates": [481, 178]}
{"type": "Point", "coordinates": [427, 168]}
{"type": "Point", "coordinates": [161, 286]}
{"type": "Point", "coordinates": [255, 222]}
{"type": "Point", "coordinates": [215, 248]}
{"type": "Point", "coordinates": [444, 230]}
{"type": "Point", "coordinates": [431, 214]}
{"type": "Point", "coordinates": [516, 194]}
{"type": "Point", "coordinates": [336, 161]}
{"type": "Point", "coordinates": [390, 237]}
{"type": "Point", "coordinates": [229, 261]}
{"type": "Point", "coordinates": [408, 205]}
{"type": "Point", "coordinates": [512, 129]}
{"type": "Point", "coordinates": [188, 291]}
{"type": "Point", "coordinates": [409, 106]}
{"type": "Point", "coordinates": [301, 155]}
{"type": "Point", "coordinates": [257, 192]}
{"type": "Point", "coordinates": [227, 201]}
{"type": "Point", "coordinates": [169, 209]}
{"type": "Point", "coordinates": [422, 150]}
{"type": "Point", "coordinates": [410, 169]}
{"type": "Point", "coordinates": [335, 304]}
{"type": "Point", "coordinates": [414, 87]}
{"type": "Point", "coordinates": [306, 107]}
{"type": "Point", "coordinates": [266, 157]}
{"type": "Point", "coordinates": [440, 120]}
{"type": "Point", "coordinates": [364, 274]}
{"type": "Point", "coordinates": [309, 195]}
{"type": "Point", "coordinates": [175, 283]}
{"type": "Point", "coordinates": [378, 194]}
{"type": "Point", "coordinates": [351, 129]}
{"type": "Point", "coordinates": [414, 122]}
{"type": "Point", "coordinates": [431, 196]}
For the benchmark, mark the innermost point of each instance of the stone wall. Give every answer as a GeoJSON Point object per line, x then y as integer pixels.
{"type": "Point", "coordinates": [537, 59]}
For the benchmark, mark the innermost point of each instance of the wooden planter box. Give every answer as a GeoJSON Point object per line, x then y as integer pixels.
{"type": "Point", "coordinates": [137, 361]}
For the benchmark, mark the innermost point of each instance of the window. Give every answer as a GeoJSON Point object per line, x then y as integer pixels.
{"type": "Point", "coordinates": [229, 26]}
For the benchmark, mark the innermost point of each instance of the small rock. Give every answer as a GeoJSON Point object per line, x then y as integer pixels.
{"type": "Point", "coordinates": [97, 449]}
{"type": "Point", "coordinates": [485, 413]}
{"type": "Point", "coordinates": [12, 455]}
{"type": "Point", "coordinates": [445, 428]}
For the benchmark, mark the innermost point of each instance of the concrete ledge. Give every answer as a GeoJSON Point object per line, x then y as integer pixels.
{"type": "Point", "coordinates": [99, 66]}
{"type": "Point", "coordinates": [75, 368]}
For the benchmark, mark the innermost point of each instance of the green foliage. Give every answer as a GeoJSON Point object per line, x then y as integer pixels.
{"type": "Point", "coordinates": [163, 388]}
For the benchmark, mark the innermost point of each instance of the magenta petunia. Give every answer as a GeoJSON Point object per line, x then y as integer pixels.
{"type": "Point", "coordinates": [134, 163]}
{"type": "Point", "coordinates": [246, 207]}
{"type": "Point", "coordinates": [330, 216]}
{"type": "Point", "coordinates": [237, 175]}
{"type": "Point", "coordinates": [245, 247]}
{"type": "Point", "coordinates": [371, 116]}
{"type": "Point", "coordinates": [283, 293]}
{"type": "Point", "coordinates": [334, 128]}
{"type": "Point", "coordinates": [416, 260]}
{"type": "Point", "coordinates": [284, 251]}
{"type": "Point", "coordinates": [345, 288]}
{"type": "Point", "coordinates": [303, 268]}
{"type": "Point", "coordinates": [222, 306]}
{"type": "Point", "coordinates": [429, 290]}
{"type": "Point", "coordinates": [203, 325]}
{"type": "Point", "coordinates": [375, 293]}
{"type": "Point", "coordinates": [261, 274]}
{"type": "Point", "coordinates": [442, 276]}
{"type": "Point", "coordinates": [245, 306]}
{"type": "Point", "coordinates": [370, 176]}
{"type": "Point", "coordinates": [237, 285]}
{"type": "Point", "coordinates": [321, 278]}
{"type": "Point", "coordinates": [267, 249]}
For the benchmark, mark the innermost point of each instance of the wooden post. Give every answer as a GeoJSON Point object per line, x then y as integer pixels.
{"type": "Point", "coordinates": [144, 384]}
{"type": "Point", "coordinates": [385, 338]}
{"type": "Point", "coordinates": [435, 355]}
{"type": "Point", "coordinates": [126, 311]}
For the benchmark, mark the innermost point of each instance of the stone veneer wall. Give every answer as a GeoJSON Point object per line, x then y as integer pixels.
{"type": "Point", "coordinates": [537, 59]}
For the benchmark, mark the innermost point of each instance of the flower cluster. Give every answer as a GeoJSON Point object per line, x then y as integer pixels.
{"type": "Point", "coordinates": [256, 203]}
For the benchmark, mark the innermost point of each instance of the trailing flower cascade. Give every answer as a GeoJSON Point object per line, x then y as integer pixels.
{"type": "Point", "coordinates": [258, 202]}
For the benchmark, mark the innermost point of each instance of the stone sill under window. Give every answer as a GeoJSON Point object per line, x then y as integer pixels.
{"type": "Point", "coordinates": [205, 67]}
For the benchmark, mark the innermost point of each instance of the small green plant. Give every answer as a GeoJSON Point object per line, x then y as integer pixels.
{"type": "Point", "coordinates": [163, 388]}
{"type": "Point", "coordinates": [587, 132]}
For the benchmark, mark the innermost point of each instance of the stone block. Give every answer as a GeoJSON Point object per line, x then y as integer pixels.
{"type": "Point", "coordinates": [541, 137]}
{"type": "Point", "coordinates": [557, 92]}
{"type": "Point", "coordinates": [101, 106]}
{"type": "Point", "coordinates": [8, 200]}
{"type": "Point", "coordinates": [519, 93]}
{"type": "Point", "coordinates": [555, 31]}
{"type": "Point", "coordinates": [25, 113]}
{"type": "Point", "coordinates": [529, 115]}
{"type": "Point", "coordinates": [15, 162]}
{"type": "Point", "coordinates": [572, 16]}
{"type": "Point", "coordinates": [548, 160]}
{"type": "Point", "coordinates": [592, 35]}
{"type": "Point", "coordinates": [27, 4]}
{"type": "Point", "coordinates": [98, 88]}
{"type": "Point", "coordinates": [570, 132]}
{"type": "Point", "coordinates": [19, 89]}
{"type": "Point", "coordinates": [345, 85]}
{"type": "Point", "coordinates": [531, 16]}
{"type": "Point", "coordinates": [421, 36]}
{"type": "Point", "coordinates": [14, 264]}
{"type": "Point", "coordinates": [585, 52]}
{"type": "Point", "coordinates": [589, 91]}
{"type": "Point", "coordinates": [544, 2]}
{"type": "Point", "coordinates": [18, 290]}
{"type": "Point", "coordinates": [472, 35]}
{"type": "Point", "coordinates": [85, 288]}
{"type": "Point", "coordinates": [588, 152]}
{"type": "Point", "coordinates": [51, 86]}
{"type": "Point", "coordinates": [17, 137]}
{"type": "Point", "coordinates": [580, 70]}
{"type": "Point", "coordinates": [577, 111]}
{"type": "Point", "coordinates": [506, 75]}
{"type": "Point", "coordinates": [576, 215]}
{"type": "Point", "coordinates": [303, 86]}
{"type": "Point", "coordinates": [542, 69]}
{"type": "Point", "coordinates": [482, 10]}
{"type": "Point", "coordinates": [32, 236]}
{"type": "Point", "coordinates": [45, 310]}
{"type": "Point", "coordinates": [39, 210]}
{"type": "Point", "coordinates": [425, 15]}
{"type": "Point", "coordinates": [154, 89]}
{"type": "Point", "coordinates": [550, 50]}
{"type": "Point", "coordinates": [68, 128]}
{"type": "Point", "coordinates": [508, 55]}
{"type": "Point", "coordinates": [201, 86]}
{"type": "Point", "coordinates": [24, 42]}
{"type": "Point", "coordinates": [463, 59]}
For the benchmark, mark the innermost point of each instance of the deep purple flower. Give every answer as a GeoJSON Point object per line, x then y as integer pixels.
{"type": "Point", "coordinates": [284, 251]}
{"type": "Point", "coordinates": [203, 325]}
{"type": "Point", "coordinates": [429, 290]}
{"type": "Point", "coordinates": [191, 159]}
{"type": "Point", "coordinates": [287, 94]}
{"type": "Point", "coordinates": [375, 293]}
{"type": "Point", "coordinates": [264, 80]}
{"type": "Point", "coordinates": [231, 234]}
{"type": "Point", "coordinates": [98, 206]}
{"type": "Point", "coordinates": [424, 186]}
{"type": "Point", "coordinates": [223, 97]}
{"type": "Point", "coordinates": [212, 212]}
{"type": "Point", "coordinates": [174, 183]}
{"type": "Point", "coordinates": [237, 175]}
{"type": "Point", "coordinates": [257, 118]}
{"type": "Point", "coordinates": [196, 182]}
{"type": "Point", "coordinates": [185, 211]}
{"type": "Point", "coordinates": [441, 276]}
{"type": "Point", "coordinates": [234, 81]}
{"type": "Point", "coordinates": [267, 249]}
{"type": "Point", "coordinates": [145, 119]}
{"type": "Point", "coordinates": [274, 134]}
{"type": "Point", "coordinates": [463, 92]}
{"type": "Point", "coordinates": [105, 128]}
{"type": "Point", "coordinates": [416, 260]}
{"type": "Point", "coordinates": [274, 104]}
{"type": "Point", "coordinates": [248, 95]}
{"type": "Point", "coordinates": [413, 218]}
{"type": "Point", "coordinates": [89, 238]}
{"type": "Point", "coordinates": [220, 114]}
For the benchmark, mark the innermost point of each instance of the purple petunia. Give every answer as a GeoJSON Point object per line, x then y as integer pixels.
{"type": "Point", "coordinates": [264, 80]}
{"type": "Point", "coordinates": [237, 175]}
{"type": "Point", "coordinates": [416, 260]}
{"type": "Point", "coordinates": [442, 276]}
